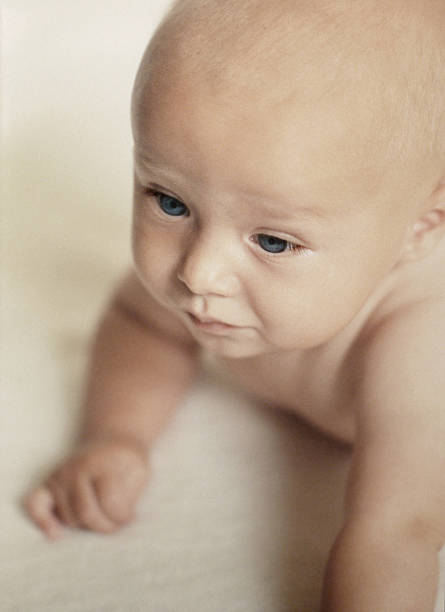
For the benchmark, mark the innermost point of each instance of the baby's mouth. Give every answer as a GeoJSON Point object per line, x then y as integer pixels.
{"type": "Point", "coordinates": [210, 325]}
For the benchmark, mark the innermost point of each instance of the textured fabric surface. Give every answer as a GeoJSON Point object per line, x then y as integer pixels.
{"type": "Point", "coordinates": [243, 503]}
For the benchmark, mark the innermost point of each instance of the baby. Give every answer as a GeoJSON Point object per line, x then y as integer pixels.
{"type": "Point", "coordinates": [289, 218]}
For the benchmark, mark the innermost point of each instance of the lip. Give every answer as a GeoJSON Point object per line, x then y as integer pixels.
{"type": "Point", "coordinates": [211, 325]}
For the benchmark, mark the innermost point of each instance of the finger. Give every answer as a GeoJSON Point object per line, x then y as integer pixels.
{"type": "Point", "coordinates": [62, 503]}
{"type": "Point", "coordinates": [40, 507]}
{"type": "Point", "coordinates": [88, 508]}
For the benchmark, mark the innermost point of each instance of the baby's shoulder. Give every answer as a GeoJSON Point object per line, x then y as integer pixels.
{"type": "Point", "coordinates": [412, 311]}
{"type": "Point", "coordinates": [402, 354]}
{"type": "Point", "coordinates": [419, 323]}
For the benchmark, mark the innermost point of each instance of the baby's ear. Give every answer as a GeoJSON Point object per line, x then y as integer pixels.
{"type": "Point", "coordinates": [429, 229]}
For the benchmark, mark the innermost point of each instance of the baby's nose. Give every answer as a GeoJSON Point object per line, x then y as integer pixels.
{"type": "Point", "coordinates": [208, 268]}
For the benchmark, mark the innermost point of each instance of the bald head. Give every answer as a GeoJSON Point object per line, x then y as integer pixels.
{"type": "Point", "coordinates": [384, 63]}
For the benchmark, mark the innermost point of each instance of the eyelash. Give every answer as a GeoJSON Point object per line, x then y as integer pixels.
{"type": "Point", "coordinates": [291, 247]}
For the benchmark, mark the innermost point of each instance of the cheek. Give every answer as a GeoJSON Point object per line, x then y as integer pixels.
{"type": "Point", "coordinates": [140, 242]}
{"type": "Point", "coordinates": [154, 255]}
{"type": "Point", "coordinates": [310, 308]}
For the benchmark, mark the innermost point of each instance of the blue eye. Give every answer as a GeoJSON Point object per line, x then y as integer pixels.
{"type": "Point", "coordinates": [171, 206]}
{"type": "Point", "coordinates": [272, 244]}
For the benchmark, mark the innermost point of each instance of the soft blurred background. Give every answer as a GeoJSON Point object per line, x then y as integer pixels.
{"type": "Point", "coordinates": [243, 503]}
{"type": "Point", "coordinates": [67, 73]}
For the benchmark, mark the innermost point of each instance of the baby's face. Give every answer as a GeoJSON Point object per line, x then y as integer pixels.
{"type": "Point", "coordinates": [257, 216]}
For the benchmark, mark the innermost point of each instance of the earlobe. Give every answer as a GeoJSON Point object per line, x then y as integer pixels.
{"type": "Point", "coordinates": [429, 228]}
{"type": "Point", "coordinates": [425, 234]}
{"type": "Point", "coordinates": [429, 221]}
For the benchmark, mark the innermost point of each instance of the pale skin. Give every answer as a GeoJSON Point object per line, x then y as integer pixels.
{"type": "Point", "coordinates": [255, 216]}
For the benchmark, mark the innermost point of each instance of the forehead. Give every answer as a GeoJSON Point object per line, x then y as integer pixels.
{"type": "Point", "coordinates": [314, 151]}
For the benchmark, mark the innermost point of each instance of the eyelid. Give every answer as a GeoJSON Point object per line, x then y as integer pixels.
{"type": "Point", "coordinates": [295, 248]}
{"type": "Point", "coordinates": [282, 236]}
{"type": "Point", "coordinates": [277, 234]}
{"type": "Point", "coordinates": [154, 193]}
{"type": "Point", "coordinates": [155, 190]}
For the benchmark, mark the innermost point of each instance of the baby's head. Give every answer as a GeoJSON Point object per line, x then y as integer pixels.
{"type": "Point", "coordinates": [288, 155]}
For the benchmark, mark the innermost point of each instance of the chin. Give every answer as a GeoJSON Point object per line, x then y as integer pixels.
{"type": "Point", "coordinates": [231, 350]}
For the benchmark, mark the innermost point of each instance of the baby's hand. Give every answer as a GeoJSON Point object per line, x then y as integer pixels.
{"type": "Point", "coordinates": [97, 488]}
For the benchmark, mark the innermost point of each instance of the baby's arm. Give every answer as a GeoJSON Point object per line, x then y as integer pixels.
{"type": "Point", "coordinates": [143, 360]}
{"type": "Point", "coordinates": [386, 556]}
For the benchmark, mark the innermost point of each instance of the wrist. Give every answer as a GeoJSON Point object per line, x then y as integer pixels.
{"type": "Point", "coordinates": [119, 438]}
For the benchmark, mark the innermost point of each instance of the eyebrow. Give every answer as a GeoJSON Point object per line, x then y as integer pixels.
{"type": "Point", "coordinates": [310, 212]}
{"type": "Point", "coordinates": [141, 160]}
